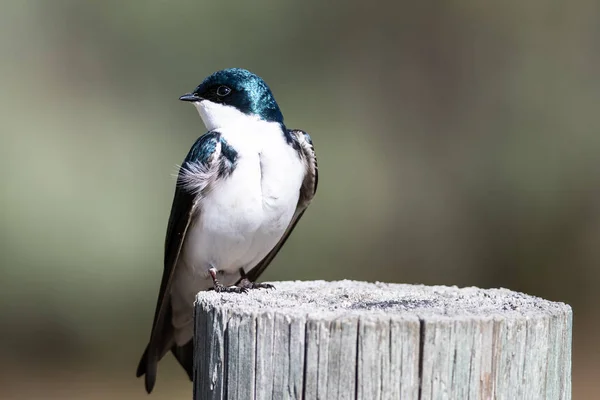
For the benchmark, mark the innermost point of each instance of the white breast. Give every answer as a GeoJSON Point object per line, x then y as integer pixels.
{"type": "Point", "coordinates": [241, 219]}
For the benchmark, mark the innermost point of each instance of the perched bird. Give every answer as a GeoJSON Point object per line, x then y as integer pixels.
{"type": "Point", "coordinates": [240, 192]}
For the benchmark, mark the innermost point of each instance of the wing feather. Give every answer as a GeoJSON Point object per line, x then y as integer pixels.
{"type": "Point", "coordinates": [196, 174]}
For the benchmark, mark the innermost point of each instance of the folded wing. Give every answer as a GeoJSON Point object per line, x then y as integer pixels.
{"type": "Point", "coordinates": [198, 172]}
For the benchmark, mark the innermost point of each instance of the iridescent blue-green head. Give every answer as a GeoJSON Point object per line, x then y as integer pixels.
{"type": "Point", "coordinates": [225, 96]}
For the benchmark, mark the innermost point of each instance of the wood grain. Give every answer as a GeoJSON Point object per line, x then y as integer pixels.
{"type": "Point", "coordinates": [375, 341]}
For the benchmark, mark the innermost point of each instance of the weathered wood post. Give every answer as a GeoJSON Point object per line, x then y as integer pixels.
{"type": "Point", "coordinates": [357, 340]}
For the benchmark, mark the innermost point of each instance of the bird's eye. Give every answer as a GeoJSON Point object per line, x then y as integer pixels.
{"type": "Point", "coordinates": [223, 91]}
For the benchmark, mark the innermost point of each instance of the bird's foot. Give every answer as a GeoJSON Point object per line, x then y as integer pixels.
{"type": "Point", "coordinates": [220, 288]}
{"type": "Point", "coordinates": [247, 285]}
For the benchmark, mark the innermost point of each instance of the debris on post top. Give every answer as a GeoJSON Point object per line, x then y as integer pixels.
{"type": "Point", "coordinates": [358, 340]}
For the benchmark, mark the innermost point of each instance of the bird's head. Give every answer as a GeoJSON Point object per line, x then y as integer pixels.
{"type": "Point", "coordinates": [232, 95]}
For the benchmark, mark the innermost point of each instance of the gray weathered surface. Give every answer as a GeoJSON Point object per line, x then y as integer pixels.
{"type": "Point", "coordinates": [375, 341]}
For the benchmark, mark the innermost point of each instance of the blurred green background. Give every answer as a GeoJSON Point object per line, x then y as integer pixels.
{"type": "Point", "coordinates": [458, 144]}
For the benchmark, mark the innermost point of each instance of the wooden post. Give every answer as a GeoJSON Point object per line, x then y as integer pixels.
{"type": "Point", "coordinates": [372, 341]}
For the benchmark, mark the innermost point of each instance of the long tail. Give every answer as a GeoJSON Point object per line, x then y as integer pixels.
{"type": "Point", "coordinates": [148, 368]}
{"type": "Point", "coordinates": [184, 355]}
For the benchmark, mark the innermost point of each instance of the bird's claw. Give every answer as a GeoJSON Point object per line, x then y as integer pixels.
{"type": "Point", "coordinates": [229, 289]}
{"type": "Point", "coordinates": [246, 284]}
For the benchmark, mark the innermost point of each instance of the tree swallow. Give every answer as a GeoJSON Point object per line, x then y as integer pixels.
{"type": "Point", "coordinates": [240, 192]}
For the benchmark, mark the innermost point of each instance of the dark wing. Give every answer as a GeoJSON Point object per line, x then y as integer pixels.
{"type": "Point", "coordinates": [303, 143]}
{"type": "Point", "coordinates": [196, 173]}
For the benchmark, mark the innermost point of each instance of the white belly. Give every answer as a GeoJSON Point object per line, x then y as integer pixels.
{"type": "Point", "coordinates": [240, 221]}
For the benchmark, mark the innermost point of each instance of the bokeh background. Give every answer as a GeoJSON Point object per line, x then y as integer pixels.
{"type": "Point", "coordinates": [458, 144]}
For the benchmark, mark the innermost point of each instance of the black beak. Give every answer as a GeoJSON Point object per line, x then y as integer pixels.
{"type": "Point", "coordinates": [190, 97]}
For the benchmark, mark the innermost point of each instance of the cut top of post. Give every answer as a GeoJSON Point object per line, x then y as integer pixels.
{"type": "Point", "coordinates": [316, 299]}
